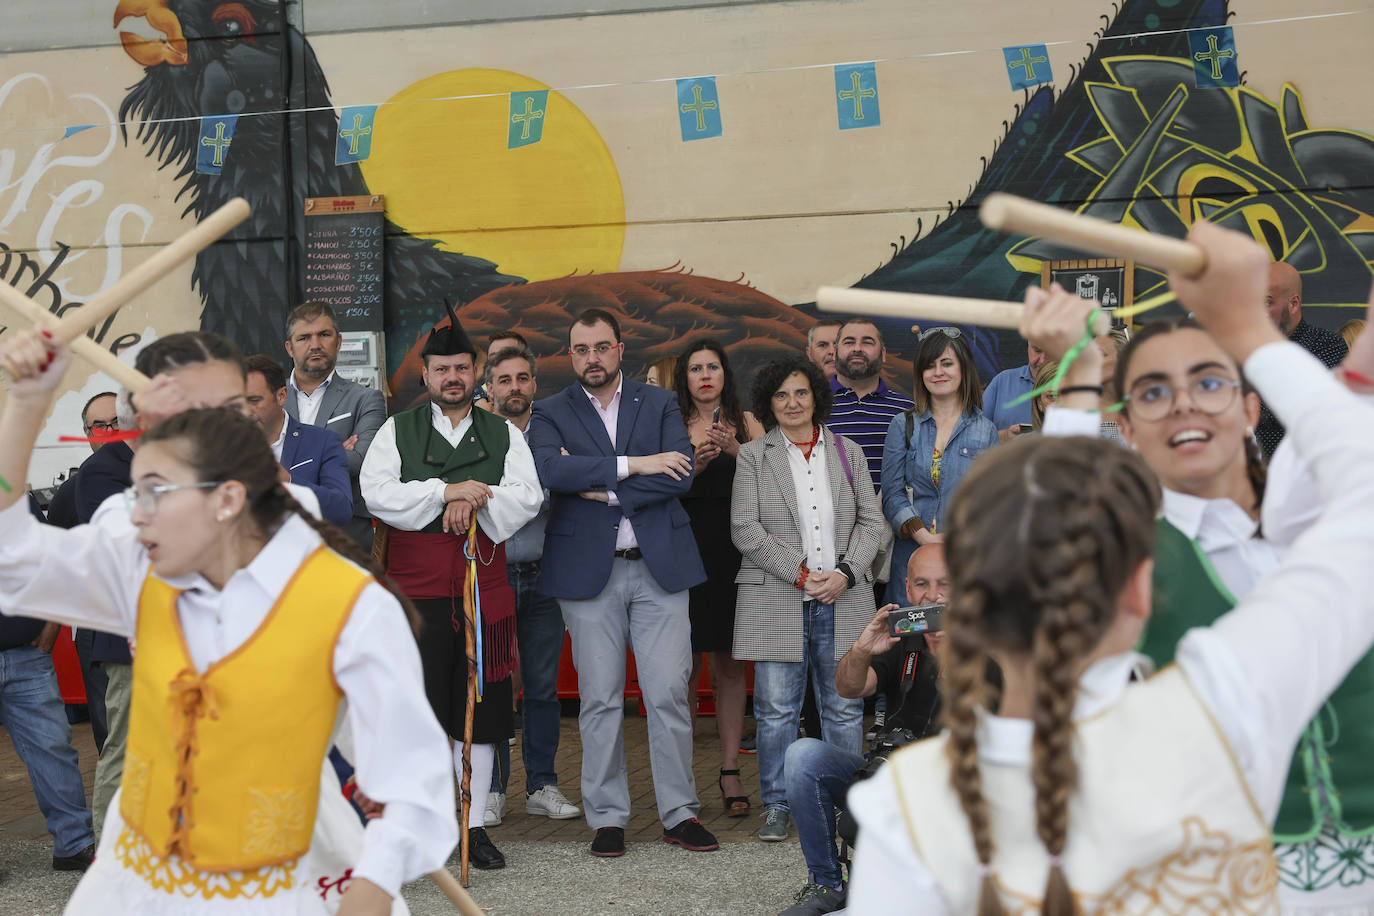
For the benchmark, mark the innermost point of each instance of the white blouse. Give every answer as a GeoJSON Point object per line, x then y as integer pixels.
{"type": "Point", "coordinates": [413, 504]}
{"type": "Point", "coordinates": [1262, 691]}
{"type": "Point", "coordinates": [92, 575]}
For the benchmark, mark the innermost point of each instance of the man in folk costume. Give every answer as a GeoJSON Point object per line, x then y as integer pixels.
{"type": "Point", "coordinates": [430, 472]}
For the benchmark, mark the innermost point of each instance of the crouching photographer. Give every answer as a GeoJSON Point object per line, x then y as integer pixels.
{"type": "Point", "coordinates": [818, 774]}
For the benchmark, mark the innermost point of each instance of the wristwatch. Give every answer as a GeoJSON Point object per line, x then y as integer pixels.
{"type": "Point", "coordinates": [844, 568]}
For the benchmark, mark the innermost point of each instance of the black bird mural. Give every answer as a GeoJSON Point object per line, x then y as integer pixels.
{"type": "Point", "coordinates": [1130, 137]}
{"type": "Point", "coordinates": [204, 58]}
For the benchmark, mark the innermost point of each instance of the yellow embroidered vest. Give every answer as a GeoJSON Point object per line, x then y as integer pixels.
{"type": "Point", "coordinates": [223, 768]}
{"type": "Point", "coordinates": [1162, 821]}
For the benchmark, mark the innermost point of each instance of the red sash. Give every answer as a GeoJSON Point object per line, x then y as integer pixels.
{"type": "Point", "coordinates": [430, 566]}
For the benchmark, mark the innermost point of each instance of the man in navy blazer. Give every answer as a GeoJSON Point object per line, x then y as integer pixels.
{"type": "Point", "coordinates": [619, 556]}
{"type": "Point", "coordinates": [311, 455]}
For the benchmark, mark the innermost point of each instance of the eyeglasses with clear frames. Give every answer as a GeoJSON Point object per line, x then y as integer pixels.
{"type": "Point", "coordinates": [1152, 400]}
{"type": "Point", "coordinates": [581, 351]}
{"type": "Point", "coordinates": [146, 498]}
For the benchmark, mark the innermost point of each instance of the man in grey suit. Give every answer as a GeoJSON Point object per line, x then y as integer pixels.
{"type": "Point", "coordinates": [318, 396]}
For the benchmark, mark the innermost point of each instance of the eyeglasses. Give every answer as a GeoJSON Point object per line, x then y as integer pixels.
{"type": "Point", "coordinates": [1153, 400]}
{"type": "Point", "coordinates": [948, 331]}
{"type": "Point", "coordinates": [146, 498]}
{"type": "Point", "coordinates": [582, 350]}
{"type": "Point", "coordinates": [108, 426]}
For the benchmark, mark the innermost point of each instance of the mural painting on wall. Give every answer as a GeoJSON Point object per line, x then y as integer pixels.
{"type": "Point", "coordinates": [1130, 138]}
{"type": "Point", "coordinates": [527, 223]}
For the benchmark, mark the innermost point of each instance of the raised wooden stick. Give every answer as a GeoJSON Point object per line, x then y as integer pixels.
{"type": "Point", "coordinates": [460, 899]}
{"type": "Point", "coordinates": [1008, 213]}
{"type": "Point", "coordinates": [988, 313]}
{"type": "Point", "coordinates": [155, 268]}
{"type": "Point", "coordinates": [127, 376]}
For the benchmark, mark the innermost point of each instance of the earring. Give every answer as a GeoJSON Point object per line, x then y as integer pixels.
{"type": "Point", "coordinates": [223, 515]}
{"type": "Point", "coordinates": [1250, 431]}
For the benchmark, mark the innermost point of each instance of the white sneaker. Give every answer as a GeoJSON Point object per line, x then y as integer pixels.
{"type": "Point", "coordinates": [496, 809]}
{"type": "Point", "coordinates": [551, 803]}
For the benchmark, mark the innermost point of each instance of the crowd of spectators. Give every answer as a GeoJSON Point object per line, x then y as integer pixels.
{"type": "Point", "coordinates": [816, 495]}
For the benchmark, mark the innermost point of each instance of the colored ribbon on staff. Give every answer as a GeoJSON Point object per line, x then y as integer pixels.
{"type": "Point", "coordinates": [1124, 312]}
{"type": "Point", "coordinates": [1064, 364]}
{"type": "Point", "coordinates": [472, 599]}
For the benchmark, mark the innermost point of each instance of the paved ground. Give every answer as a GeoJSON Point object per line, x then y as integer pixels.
{"type": "Point", "coordinates": [549, 869]}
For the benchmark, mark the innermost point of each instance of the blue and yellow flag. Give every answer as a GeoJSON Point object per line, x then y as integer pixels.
{"type": "Point", "coordinates": [1214, 58]}
{"type": "Point", "coordinates": [216, 134]}
{"type": "Point", "coordinates": [698, 108]}
{"type": "Point", "coordinates": [528, 112]}
{"type": "Point", "coordinates": [355, 134]}
{"type": "Point", "coordinates": [856, 95]}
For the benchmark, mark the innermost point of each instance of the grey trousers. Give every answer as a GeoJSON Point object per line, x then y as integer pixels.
{"type": "Point", "coordinates": [632, 611]}
{"type": "Point", "coordinates": [109, 766]}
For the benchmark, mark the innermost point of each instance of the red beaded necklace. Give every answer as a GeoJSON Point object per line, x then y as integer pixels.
{"type": "Point", "coordinates": [806, 447]}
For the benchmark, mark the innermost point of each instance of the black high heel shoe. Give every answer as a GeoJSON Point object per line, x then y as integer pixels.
{"type": "Point", "coordinates": [735, 805]}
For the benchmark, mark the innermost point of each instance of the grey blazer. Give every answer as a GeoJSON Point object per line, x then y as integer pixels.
{"type": "Point", "coordinates": [348, 409]}
{"type": "Point", "coordinates": [765, 527]}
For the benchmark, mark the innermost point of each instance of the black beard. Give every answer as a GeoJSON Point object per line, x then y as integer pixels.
{"type": "Point", "coordinates": [445, 403]}
{"type": "Point", "coordinates": [868, 371]}
{"type": "Point", "coordinates": [503, 407]}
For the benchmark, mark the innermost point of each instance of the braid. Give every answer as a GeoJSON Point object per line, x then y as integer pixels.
{"type": "Point", "coordinates": [1043, 536]}
{"type": "Point", "coordinates": [279, 501]}
{"type": "Point", "coordinates": [964, 686]}
{"type": "Point", "coordinates": [1069, 597]}
{"type": "Point", "coordinates": [1255, 468]}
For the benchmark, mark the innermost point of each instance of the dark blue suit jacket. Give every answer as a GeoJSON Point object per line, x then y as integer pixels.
{"type": "Point", "coordinates": [316, 459]}
{"type": "Point", "coordinates": [579, 543]}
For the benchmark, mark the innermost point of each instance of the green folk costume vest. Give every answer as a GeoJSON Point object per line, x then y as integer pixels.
{"type": "Point", "coordinates": [425, 454]}
{"type": "Point", "coordinates": [1329, 783]}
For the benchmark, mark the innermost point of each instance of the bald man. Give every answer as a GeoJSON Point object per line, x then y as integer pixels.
{"type": "Point", "coordinates": [1284, 301]}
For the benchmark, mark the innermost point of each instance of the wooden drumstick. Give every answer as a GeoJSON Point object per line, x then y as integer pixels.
{"type": "Point", "coordinates": [106, 303]}
{"type": "Point", "coordinates": [127, 376]}
{"type": "Point", "coordinates": [984, 312]}
{"type": "Point", "coordinates": [1008, 213]}
{"type": "Point", "coordinates": [461, 900]}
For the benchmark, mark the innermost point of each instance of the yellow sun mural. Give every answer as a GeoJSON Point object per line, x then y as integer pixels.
{"type": "Point", "coordinates": [539, 211]}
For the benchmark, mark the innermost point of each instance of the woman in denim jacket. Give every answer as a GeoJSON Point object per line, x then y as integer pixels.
{"type": "Point", "coordinates": [930, 447]}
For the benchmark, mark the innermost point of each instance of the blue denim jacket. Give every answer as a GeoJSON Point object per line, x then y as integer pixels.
{"type": "Point", "coordinates": [907, 464]}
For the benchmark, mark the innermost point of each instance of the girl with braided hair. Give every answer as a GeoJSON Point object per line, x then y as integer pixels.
{"type": "Point", "coordinates": [1226, 523]}
{"type": "Point", "coordinates": [1088, 792]}
{"type": "Point", "coordinates": [251, 623]}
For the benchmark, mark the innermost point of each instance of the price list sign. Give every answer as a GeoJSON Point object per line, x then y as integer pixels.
{"type": "Point", "coordinates": [343, 257]}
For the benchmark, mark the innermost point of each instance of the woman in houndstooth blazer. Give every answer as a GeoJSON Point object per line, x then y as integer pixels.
{"type": "Point", "coordinates": [808, 537]}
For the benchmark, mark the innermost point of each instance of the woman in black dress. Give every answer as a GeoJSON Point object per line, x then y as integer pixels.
{"type": "Point", "coordinates": [717, 425]}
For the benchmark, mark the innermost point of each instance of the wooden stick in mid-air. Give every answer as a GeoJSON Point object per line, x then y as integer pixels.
{"type": "Point", "coordinates": [127, 376]}
{"type": "Point", "coordinates": [72, 328]}
{"type": "Point", "coordinates": [1008, 213]}
{"type": "Point", "coordinates": [988, 313]}
{"type": "Point", "coordinates": [104, 304]}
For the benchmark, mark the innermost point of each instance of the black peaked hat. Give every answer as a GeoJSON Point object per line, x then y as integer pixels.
{"type": "Point", "coordinates": [450, 339]}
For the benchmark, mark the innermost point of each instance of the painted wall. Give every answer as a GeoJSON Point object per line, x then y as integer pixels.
{"type": "Point", "coordinates": [729, 235]}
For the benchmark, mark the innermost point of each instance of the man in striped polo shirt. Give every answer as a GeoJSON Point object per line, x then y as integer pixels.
{"type": "Point", "coordinates": [864, 404]}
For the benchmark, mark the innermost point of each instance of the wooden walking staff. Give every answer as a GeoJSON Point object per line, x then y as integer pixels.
{"type": "Point", "coordinates": [1008, 213]}
{"type": "Point", "coordinates": [470, 708]}
{"type": "Point", "coordinates": [989, 313]}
